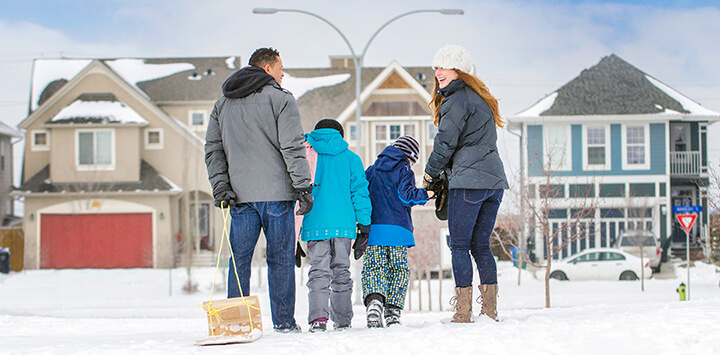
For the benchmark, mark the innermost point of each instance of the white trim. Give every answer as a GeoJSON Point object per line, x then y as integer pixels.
{"type": "Point", "coordinates": [585, 147]}
{"type": "Point", "coordinates": [197, 127]}
{"type": "Point", "coordinates": [39, 148]}
{"type": "Point", "coordinates": [154, 146]}
{"type": "Point", "coordinates": [566, 161]}
{"type": "Point", "coordinates": [88, 206]}
{"type": "Point", "coordinates": [625, 164]}
{"type": "Point", "coordinates": [373, 137]}
{"type": "Point", "coordinates": [95, 166]}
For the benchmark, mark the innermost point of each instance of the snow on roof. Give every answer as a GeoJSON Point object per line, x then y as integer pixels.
{"type": "Point", "coordinates": [133, 71]}
{"type": "Point", "coordinates": [45, 71]}
{"type": "Point", "coordinates": [230, 63]}
{"type": "Point", "coordinates": [541, 106]}
{"type": "Point", "coordinates": [693, 107]}
{"type": "Point", "coordinates": [300, 86]}
{"type": "Point", "coordinates": [112, 111]}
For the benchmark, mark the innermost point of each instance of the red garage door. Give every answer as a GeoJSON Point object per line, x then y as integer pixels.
{"type": "Point", "coordinates": [96, 240]}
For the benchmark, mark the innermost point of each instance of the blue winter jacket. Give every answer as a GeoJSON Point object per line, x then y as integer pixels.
{"type": "Point", "coordinates": [340, 193]}
{"type": "Point", "coordinates": [393, 193]}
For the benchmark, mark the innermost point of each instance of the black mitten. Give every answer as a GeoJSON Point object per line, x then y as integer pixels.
{"type": "Point", "coordinates": [299, 254]}
{"type": "Point", "coordinates": [224, 195]}
{"type": "Point", "coordinates": [305, 199]}
{"type": "Point", "coordinates": [360, 244]}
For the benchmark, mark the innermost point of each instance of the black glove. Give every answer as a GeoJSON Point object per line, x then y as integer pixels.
{"type": "Point", "coordinates": [224, 195]}
{"type": "Point", "coordinates": [361, 240]}
{"type": "Point", "coordinates": [299, 254]}
{"type": "Point", "coordinates": [306, 200]}
{"type": "Point", "coordinates": [427, 181]}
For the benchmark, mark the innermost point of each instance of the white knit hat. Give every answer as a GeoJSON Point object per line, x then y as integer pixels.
{"type": "Point", "coordinates": [453, 56]}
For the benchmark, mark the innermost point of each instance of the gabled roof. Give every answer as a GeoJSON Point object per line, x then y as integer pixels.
{"type": "Point", "coordinates": [161, 79]}
{"type": "Point", "coordinates": [615, 87]}
{"type": "Point", "coordinates": [151, 181]}
{"type": "Point", "coordinates": [332, 100]}
{"type": "Point", "coordinates": [6, 130]}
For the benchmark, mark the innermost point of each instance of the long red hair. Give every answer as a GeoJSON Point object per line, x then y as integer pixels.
{"type": "Point", "coordinates": [476, 85]}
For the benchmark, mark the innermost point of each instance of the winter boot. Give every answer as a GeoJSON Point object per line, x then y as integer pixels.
{"type": "Point", "coordinates": [488, 300]}
{"type": "Point", "coordinates": [463, 305]}
{"type": "Point", "coordinates": [392, 315]}
{"type": "Point", "coordinates": [318, 326]}
{"type": "Point", "coordinates": [374, 314]}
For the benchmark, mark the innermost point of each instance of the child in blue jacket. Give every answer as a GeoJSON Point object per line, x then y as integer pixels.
{"type": "Point", "coordinates": [341, 206]}
{"type": "Point", "coordinates": [385, 273]}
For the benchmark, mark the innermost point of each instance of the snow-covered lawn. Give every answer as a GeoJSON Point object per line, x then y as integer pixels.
{"type": "Point", "coordinates": [145, 311]}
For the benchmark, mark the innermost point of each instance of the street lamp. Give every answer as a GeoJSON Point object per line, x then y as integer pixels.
{"type": "Point", "coordinates": [357, 60]}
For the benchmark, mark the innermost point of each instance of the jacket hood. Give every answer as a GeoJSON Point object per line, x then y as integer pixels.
{"type": "Point", "coordinates": [327, 141]}
{"type": "Point", "coordinates": [390, 159]}
{"type": "Point", "coordinates": [245, 81]}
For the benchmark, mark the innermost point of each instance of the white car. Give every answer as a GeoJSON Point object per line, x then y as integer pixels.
{"type": "Point", "coordinates": [600, 264]}
{"type": "Point", "coordinates": [632, 241]}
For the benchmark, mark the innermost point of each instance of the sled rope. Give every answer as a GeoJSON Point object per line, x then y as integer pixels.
{"type": "Point", "coordinates": [226, 235]}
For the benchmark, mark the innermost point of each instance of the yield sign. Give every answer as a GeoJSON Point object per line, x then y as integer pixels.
{"type": "Point", "coordinates": [686, 220]}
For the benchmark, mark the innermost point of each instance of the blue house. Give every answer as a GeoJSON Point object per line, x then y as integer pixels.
{"type": "Point", "coordinates": [621, 147]}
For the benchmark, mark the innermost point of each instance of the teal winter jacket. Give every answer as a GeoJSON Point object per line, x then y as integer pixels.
{"type": "Point", "coordinates": [340, 192]}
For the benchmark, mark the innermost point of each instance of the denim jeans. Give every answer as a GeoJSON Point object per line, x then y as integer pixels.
{"type": "Point", "coordinates": [278, 224]}
{"type": "Point", "coordinates": [471, 219]}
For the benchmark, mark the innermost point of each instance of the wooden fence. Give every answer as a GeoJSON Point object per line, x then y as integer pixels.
{"type": "Point", "coordinates": [14, 239]}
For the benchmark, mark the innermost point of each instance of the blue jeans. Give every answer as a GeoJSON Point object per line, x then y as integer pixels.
{"type": "Point", "coordinates": [278, 224]}
{"type": "Point", "coordinates": [471, 219]}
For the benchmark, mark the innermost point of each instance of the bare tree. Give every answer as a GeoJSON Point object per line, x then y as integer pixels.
{"type": "Point", "coordinates": [546, 216]}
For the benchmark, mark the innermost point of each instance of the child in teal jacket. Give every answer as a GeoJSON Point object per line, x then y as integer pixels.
{"type": "Point", "coordinates": [341, 206]}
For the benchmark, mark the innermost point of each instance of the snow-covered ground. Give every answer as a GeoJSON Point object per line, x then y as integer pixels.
{"type": "Point", "coordinates": [145, 311]}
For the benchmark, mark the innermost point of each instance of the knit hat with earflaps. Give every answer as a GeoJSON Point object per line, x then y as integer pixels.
{"type": "Point", "coordinates": [453, 56]}
{"type": "Point", "coordinates": [409, 146]}
{"type": "Point", "coordinates": [330, 123]}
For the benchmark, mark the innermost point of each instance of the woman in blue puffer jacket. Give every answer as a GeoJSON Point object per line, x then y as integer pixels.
{"type": "Point", "coordinates": [465, 149]}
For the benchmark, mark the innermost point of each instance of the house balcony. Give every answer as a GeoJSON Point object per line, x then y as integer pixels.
{"type": "Point", "coordinates": [686, 163]}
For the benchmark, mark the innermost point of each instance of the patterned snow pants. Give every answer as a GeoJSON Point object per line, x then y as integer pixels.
{"type": "Point", "coordinates": [385, 271]}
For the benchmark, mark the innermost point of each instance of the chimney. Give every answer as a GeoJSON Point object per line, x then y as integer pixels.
{"type": "Point", "coordinates": [341, 61]}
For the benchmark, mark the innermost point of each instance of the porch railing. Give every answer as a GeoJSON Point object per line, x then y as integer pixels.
{"type": "Point", "coordinates": [685, 163]}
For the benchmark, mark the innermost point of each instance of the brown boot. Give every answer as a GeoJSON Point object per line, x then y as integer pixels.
{"type": "Point", "coordinates": [463, 305]}
{"type": "Point", "coordinates": [488, 300]}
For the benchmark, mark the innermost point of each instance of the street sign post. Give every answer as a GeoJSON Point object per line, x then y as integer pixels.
{"type": "Point", "coordinates": [686, 221]}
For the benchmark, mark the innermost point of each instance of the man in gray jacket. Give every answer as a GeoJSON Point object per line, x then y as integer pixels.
{"type": "Point", "coordinates": [256, 164]}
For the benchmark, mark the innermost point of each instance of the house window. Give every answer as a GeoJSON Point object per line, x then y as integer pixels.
{"type": "Point", "coordinates": [353, 132]}
{"type": "Point", "coordinates": [197, 120]}
{"type": "Point", "coordinates": [432, 132]}
{"type": "Point", "coordinates": [386, 134]}
{"type": "Point", "coordinates": [40, 140]}
{"type": "Point", "coordinates": [636, 153]}
{"type": "Point", "coordinates": [154, 138]}
{"type": "Point", "coordinates": [597, 155]}
{"type": "Point", "coordinates": [557, 147]}
{"type": "Point", "coordinates": [95, 150]}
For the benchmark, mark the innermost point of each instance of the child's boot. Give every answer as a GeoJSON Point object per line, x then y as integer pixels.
{"type": "Point", "coordinates": [374, 313]}
{"type": "Point", "coordinates": [392, 315]}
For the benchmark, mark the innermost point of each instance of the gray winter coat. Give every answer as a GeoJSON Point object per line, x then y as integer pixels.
{"type": "Point", "coordinates": [255, 139]}
{"type": "Point", "coordinates": [465, 146]}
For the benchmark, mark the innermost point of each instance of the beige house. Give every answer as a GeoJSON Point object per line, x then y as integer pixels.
{"type": "Point", "coordinates": [114, 172]}
{"type": "Point", "coordinates": [8, 137]}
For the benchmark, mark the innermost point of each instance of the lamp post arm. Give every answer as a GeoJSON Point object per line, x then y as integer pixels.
{"type": "Point", "coordinates": [389, 22]}
{"type": "Point", "coordinates": [331, 25]}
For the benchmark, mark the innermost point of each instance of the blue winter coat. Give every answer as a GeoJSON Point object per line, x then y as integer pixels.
{"type": "Point", "coordinates": [340, 193]}
{"type": "Point", "coordinates": [393, 193]}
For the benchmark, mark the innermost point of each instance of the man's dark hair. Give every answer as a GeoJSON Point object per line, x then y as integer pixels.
{"type": "Point", "coordinates": [263, 56]}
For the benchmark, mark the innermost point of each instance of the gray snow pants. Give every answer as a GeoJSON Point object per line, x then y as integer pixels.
{"type": "Point", "coordinates": [329, 283]}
